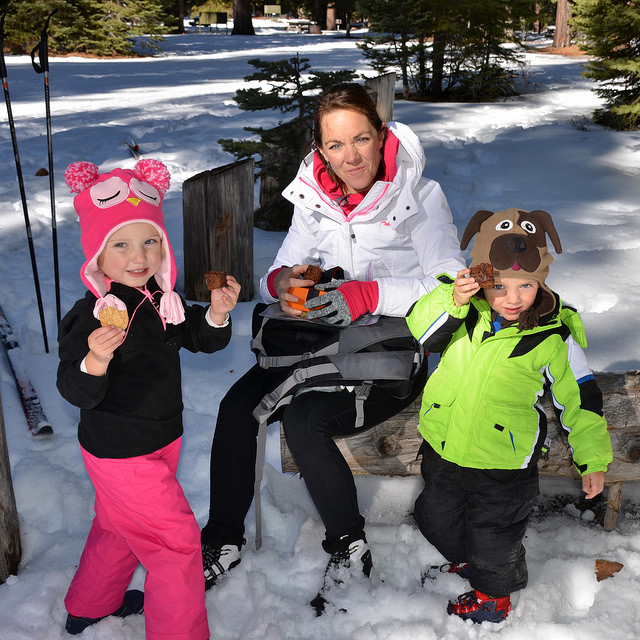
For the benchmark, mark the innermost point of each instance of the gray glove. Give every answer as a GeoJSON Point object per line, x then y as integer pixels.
{"type": "Point", "coordinates": [335, 310]}
{"type": "Point", "coordinates": [329, 286]}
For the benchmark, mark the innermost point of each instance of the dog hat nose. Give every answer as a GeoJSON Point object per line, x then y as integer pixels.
{"type": "Point", "coordinates": [517, 244]}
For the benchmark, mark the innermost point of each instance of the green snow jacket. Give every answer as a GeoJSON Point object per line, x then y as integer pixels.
{"type": "Point", "coordinates": [480, 408]}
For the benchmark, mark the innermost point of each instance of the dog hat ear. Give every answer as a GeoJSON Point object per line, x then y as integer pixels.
{"type": "Point", "coordinates": [473, 226]}
{"type": "Point", "coordinates": [546, 221]}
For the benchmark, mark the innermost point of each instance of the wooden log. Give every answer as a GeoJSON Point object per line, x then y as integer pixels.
{"type": "Point", "coordinates": [614, 500]}
{"type": "Point", "coordinates": [218, 228]}
{"type": "Point", "coordinates": [391, 448]}
{"type": "Point", "coordinates": [10, 545]}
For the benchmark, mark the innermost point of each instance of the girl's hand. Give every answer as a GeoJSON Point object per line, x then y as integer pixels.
{"type": "Point", "coordinates": [284, 280]}
{"type": "Point", "coordinates": [593, 484]}
{"type": "Point", "coordinates": [224, 300]}
{"type": "Point", "coordinates": [102, 343]}
{"type": "Point", "coordinates": [464, 288]}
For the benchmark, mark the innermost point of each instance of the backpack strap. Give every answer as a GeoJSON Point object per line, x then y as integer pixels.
{"type": "Point", "coordinates": [260, 456]}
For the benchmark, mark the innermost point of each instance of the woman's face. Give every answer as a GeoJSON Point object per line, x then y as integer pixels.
{"type": "Point", "coordinates": [351, 145]}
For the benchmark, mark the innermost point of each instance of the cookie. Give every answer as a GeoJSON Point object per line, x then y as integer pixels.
{"type": "Point", "coordinates": [483, 274]}
{"type": "Point", "coordinates": [313, 272]}
{"type": "Point", "coordinates": [115, 317]}
{"type": "Point", "coordinates": [216, 279]}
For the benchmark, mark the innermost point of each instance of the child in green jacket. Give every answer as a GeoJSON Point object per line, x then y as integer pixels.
{"type": "Point", "coordinates": [482, 423]}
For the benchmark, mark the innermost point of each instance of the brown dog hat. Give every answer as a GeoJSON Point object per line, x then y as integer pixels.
{"type": "Point", "coordinates": [514, 242]}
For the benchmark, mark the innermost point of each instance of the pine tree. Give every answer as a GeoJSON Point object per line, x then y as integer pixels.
{"type": "Point", "coordinates": [292, 89]}
{"type": "Point", "coordinates": [612, 35]}
{"type": "Point", "coordinates": [449, 49]}
{"type": "Point", "coordinates": [96, 27]}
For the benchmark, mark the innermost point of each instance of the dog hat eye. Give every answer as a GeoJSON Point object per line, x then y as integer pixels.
{"type": "Point", "coordinates": [529, 227]}
{"type": "Point", "coordinates": [504, 225]}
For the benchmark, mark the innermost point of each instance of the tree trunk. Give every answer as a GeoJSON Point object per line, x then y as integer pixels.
{"type": "Point", "coordinates": [180, 15]}
{"type": "Point", "coordinates": [242, 25]}
{"type": "Point", "coordinates": [10, 547]}
{"type": "Point", "coordinates": [562, 36]}
{"type": "Point", "coordinates": [331, 16]}
{"type": "Point", "coordinates": [437, 65]}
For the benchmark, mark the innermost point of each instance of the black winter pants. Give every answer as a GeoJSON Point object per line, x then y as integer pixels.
{"type": "Point", "coordinates": [309, 422]}
{"type": "Point", "coordinates": [478, 516]}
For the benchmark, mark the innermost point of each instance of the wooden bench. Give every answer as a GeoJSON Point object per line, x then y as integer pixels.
{"type": "Point", "coordinates": [390, 449]}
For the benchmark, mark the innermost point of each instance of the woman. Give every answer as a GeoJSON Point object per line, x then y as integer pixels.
{"type": "Point", "coordinates": [362, 204]}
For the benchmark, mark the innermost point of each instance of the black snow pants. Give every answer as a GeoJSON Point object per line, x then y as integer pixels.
{"type": "Point", "coordinates": [309, 423]}
{"type": "Point", "coordinates": [478, 516]}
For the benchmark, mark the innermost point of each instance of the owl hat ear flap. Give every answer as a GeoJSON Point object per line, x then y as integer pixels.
{"type": "Point", "coordinates": [105, 202]}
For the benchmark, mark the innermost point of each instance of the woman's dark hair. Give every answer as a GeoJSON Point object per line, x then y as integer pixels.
{"type": "Point", "coordinates": [347, 95]}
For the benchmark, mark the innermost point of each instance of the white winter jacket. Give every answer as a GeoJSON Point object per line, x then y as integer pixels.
{"type": "Point", "coordinates": [401, 235]}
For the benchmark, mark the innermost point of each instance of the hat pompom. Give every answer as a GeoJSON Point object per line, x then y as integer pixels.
{"type": "Point", "coordinates": [154, 172]}
{"type": "Point", "coordinates": [80, 175]}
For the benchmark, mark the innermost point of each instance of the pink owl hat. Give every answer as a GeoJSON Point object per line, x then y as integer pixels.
{"type": "Point", "coordinates": [108, 201]}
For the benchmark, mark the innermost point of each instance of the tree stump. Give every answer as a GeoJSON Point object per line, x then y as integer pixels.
{"type": "Point", "coordinates": [218, 228]}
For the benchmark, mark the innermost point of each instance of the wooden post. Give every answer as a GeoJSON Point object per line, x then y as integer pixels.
{"type": "Point", "coordinates": [10, 546]}
{"type": "Point", "coordinates": [218, 228]}
{"type": "Point", "coordinates": [383, 89]}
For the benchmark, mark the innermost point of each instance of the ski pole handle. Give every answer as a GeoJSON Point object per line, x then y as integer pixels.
{"type": "Point", "coordinates": [42, 48]}
{"type": "Point", "coordinates": [3, 66]}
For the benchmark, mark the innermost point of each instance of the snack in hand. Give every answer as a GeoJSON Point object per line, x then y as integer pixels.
{"type": "Point", "coordinates": [313, 272]}
{"type": "Point", "coordinates": [483, 274]}
{"type": "Point", "coordinates": [115, 317]}
{"type": "Point", "coordinates": [216, 279]}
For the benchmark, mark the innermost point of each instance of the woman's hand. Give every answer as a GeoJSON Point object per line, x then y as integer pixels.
{"type": "Point", "coordinates": [284, 280]}
{"type": "Point", "coordinates": [464, 288]}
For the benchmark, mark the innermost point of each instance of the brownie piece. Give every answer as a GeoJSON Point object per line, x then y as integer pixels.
{"type": "Point", "coordinates": [483, 274]}
{"type": "Point", "coordinates": [216, 279]}
{"type": "Point", "coordinates": [313, 272]}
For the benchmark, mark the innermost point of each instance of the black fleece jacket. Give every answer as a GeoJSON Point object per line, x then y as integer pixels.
{"type": "Point", "coordinates": [136, 408]}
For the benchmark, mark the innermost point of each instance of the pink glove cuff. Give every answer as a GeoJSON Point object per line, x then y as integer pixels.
{"type": "Point", "coordinates": [360, 296]}
{"type": "Point", "coordinates": [271, 281]}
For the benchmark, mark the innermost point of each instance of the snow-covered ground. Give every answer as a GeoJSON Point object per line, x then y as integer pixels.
{"type": "Point", "coordinates": [539, 151]}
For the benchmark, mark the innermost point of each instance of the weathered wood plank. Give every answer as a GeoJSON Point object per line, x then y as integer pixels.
{"type": "Point", "coordinates": [383, 88]}
{"type": "Point", "coordinates": [218, 228]}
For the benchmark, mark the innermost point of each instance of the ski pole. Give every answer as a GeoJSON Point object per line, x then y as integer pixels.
{"type": "Point", "coordinates": [42, 51]}
{"type": "Point", "coordinates": [16, 155]}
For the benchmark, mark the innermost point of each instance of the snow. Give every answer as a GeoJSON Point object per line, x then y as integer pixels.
{"type": "Point", "coordinates": [538, 151]}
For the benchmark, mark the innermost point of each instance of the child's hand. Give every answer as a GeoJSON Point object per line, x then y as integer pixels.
{"type": "Point", "coordinates": [102, 343]}
{"type": "Point", "coordinates": [223, 300]}
{"type": "Point", "coordinates": [464, 288]}
{"type": "Point", "coordinates": [593, 484]}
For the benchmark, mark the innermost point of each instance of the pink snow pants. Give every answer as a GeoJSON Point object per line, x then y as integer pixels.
{"type": "Point", "coordinates": [142, 517]}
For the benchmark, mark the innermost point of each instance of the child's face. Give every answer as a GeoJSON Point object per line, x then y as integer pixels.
{"type": "Point", "coordinates": [511, 296]}
{"type": "Point", "coordinates": [132, 254]}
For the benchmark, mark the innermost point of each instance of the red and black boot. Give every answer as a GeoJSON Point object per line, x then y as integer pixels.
{"type": "Point", "coordinates": [479, 607]}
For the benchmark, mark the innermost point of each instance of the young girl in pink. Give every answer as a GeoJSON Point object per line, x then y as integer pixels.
{"type": "Point", "coordinates": [127, 384]}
